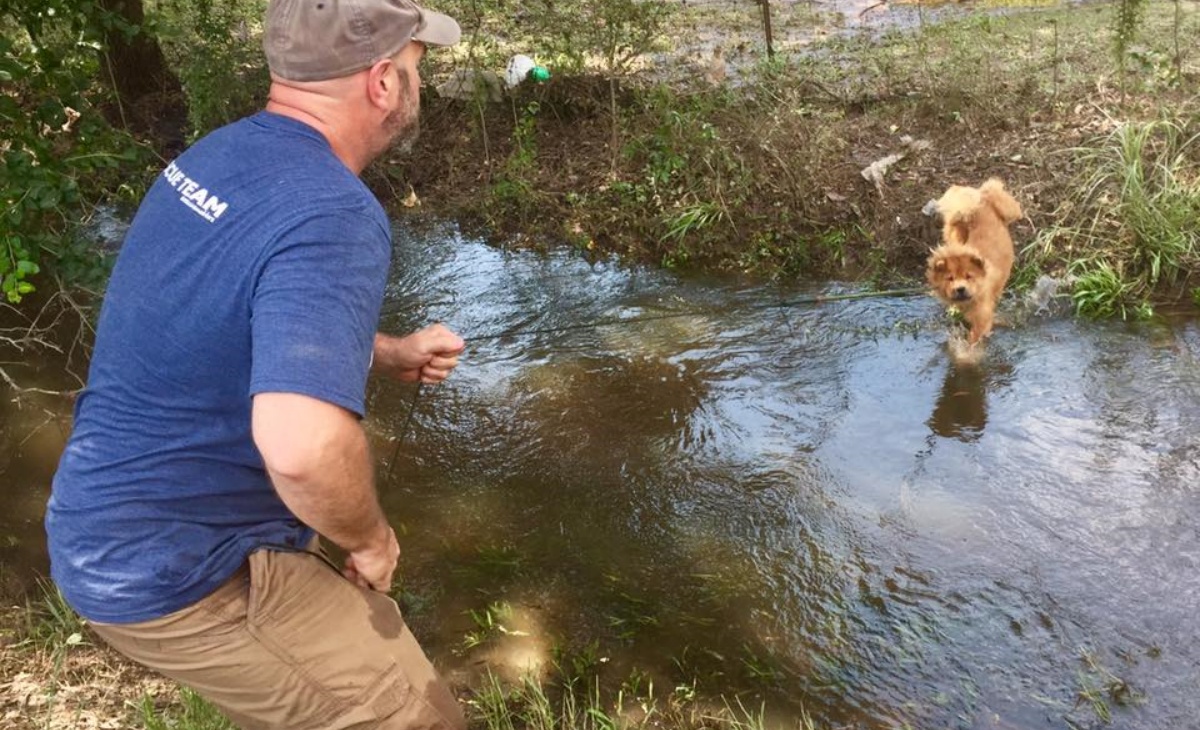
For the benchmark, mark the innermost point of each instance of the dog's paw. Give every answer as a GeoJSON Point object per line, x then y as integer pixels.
{"type": "Point", "coordinates": [963, 352]}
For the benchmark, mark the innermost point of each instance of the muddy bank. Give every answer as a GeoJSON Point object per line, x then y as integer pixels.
{"type": "Point", "coordinates": [764, 174]}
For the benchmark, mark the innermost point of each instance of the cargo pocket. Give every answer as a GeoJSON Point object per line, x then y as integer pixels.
{"type": "Point", "coordinates": [331, 633]}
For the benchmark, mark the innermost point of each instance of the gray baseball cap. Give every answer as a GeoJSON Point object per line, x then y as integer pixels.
{"type": "Point", "coordinates": [313, 40]}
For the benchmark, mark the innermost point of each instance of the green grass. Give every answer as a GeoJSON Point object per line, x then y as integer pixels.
{"type": "Point", "coordinates": [1132, 232]}
{"type": "Point", "coordinates": [191, 712]}
{"type": "Point", "coordinates": [1145, 181]}
{"type": "Point", "coordinates": [1101, 292]}
{"type": "Point", "coordinates": [534, 704]}
{"type": "Point", "coordinates": [51, 625]}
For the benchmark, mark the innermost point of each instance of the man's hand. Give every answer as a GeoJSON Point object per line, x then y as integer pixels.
{"type": "Point", "coordinates": [427, 355]}
{"type": "Point", "coordinates": [372, 567]}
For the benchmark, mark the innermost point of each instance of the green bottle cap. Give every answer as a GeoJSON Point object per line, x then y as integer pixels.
{"type": "Point", "coordinates": [539, 73]}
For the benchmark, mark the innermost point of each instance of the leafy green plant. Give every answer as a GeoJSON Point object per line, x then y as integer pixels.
{"type": "Point", "coordinates": [1129, 15]}
{"type": "Point", "coordinates": [614, 32]}
{"type": "Point", "coordinates": [16, 265]}
{"type": "Point", "coordinates": [692, 219]}
{"type": "Point", "coordinates": [834, 243]}
{"type": "Point", "coordinates": [220, 62]}
{"type": "Point", "coordinates": [54, 630]}
{"type": "Point", "coordinates": [499, 561]}
{"type": "Point", "coordinates": [685, 174]}
{"type": "Point", "coordinates": [60, 157]}
{"type": "Point", "coordinates": [761, 670]}
{"type": "Point", "coordinates": [1137, 205]}
{"type": "Point", "coordinates": [576, 704]}
{"type": "Point", "coordinates": [1101, 292]}
{"type": "Point", "coordinates": [574, 664]}
{"type": "Point", "coordinates": [1149, 166]}
{"type": "Point", "coordinates": [1025, 275]}
{"type": "Point", "coordinates": [663, 158]}
{"type": "Point", "coordinates": [1157, 66]}
{"type": "Point", "coordinates": [514, 190]}
{"type": "Point", "coordinates": [490, 703]}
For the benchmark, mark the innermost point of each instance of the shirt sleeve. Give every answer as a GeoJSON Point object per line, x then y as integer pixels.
{"type": "Point", "coordinates": [315, 308]}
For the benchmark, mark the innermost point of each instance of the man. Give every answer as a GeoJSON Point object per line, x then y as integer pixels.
{"type": "Point", "coordinates": [219, 432]}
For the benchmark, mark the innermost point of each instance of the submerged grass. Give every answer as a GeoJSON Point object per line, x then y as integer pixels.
{"type": "Point", "coordinates": [533, 704]}
{"type": "Point", "coordinates": [1101, 694]}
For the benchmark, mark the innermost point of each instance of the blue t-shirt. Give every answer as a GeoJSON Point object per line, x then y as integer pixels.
{"type": "Point", "coordinates": [256, 263]}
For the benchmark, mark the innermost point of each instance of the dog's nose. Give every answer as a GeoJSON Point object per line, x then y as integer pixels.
{"type": "Point", "coordinates": [961, 293]}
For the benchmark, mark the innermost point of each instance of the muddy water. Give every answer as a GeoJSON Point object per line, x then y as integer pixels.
{"type": "Point", "coordinates": [803, 505]}
{"type": "Point", "coordinates": [737, 27]}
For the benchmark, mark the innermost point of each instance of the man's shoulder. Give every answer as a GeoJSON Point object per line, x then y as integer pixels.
{"type": "Point", "coordinates": [249, 145]}
{"type": "Point", "coordinates": [282, 171]}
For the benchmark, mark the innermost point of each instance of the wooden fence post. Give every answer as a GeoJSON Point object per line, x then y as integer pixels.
{"type": "Point", "coordinates": [766, 8]}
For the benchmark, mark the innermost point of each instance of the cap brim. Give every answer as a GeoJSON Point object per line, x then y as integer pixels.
{"type": "Point", "coordinates": [437, 29]}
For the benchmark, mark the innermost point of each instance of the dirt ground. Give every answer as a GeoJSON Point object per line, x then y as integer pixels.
{"type": "Point", "coordinates": [778, 156]}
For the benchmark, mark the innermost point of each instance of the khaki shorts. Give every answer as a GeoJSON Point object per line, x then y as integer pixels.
{"type": "Point", "coordinates": [289, 643]}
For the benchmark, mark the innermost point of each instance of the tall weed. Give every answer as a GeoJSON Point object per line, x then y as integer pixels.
{"type": "Point", "coordinates": [50, 623]}
{"type": "Point", "coordinates": [1138, 203]}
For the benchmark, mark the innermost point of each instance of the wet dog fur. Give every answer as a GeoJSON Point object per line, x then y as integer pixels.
{"type": "Point", "coordinates": [971, 267]}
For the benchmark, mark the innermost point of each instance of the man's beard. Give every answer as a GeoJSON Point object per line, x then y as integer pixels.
{"type": "Point", "coordinates": [402, 126]}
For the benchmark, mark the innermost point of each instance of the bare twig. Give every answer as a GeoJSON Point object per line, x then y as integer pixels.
{"type": "Point", "coordinates": [50, 418]}
{"type": "Point", "coordinates": [862, 13]}
{"type": "Point", "coordinates": [28, 335]}
{"type": "Point", "coordinates": [61, 325]}
{"type": "Point", "coordinates": [21, 390]}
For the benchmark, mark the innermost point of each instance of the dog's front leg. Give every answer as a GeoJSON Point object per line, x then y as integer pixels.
{"type": "Point", "coordinates": [982, 317]}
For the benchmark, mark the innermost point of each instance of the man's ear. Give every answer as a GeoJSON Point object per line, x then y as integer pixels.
{"type": "Point", "coordinates": [381, 77]}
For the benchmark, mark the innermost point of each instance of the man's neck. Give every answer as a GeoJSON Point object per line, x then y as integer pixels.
{"type": "Point", "coordinates": [327, 123]}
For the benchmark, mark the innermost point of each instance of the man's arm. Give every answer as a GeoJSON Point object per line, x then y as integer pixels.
{"type": "Point", "coordinates": [318, 458]}
{"type": "Point", "coordinates": [427, 355]}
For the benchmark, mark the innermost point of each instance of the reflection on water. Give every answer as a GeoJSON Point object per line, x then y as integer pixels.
{"type": "Point", "coordinates": [33, 432]}
{"type": "Point", "coordinates": [811, 505]}
{"type": "Point", "coordinates": [961, 408]}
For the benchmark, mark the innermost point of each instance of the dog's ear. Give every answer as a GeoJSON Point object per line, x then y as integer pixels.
{"type": "Point", "coordinates": [939, 264]}
{"type": "Point", "coordinates": [978, 262]}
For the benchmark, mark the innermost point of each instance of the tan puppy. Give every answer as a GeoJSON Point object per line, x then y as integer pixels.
{"type": "Point", "coordinates": [971, 267]}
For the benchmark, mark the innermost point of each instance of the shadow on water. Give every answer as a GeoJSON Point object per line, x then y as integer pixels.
{"type": "Point", "coordinates": [811, 506]}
